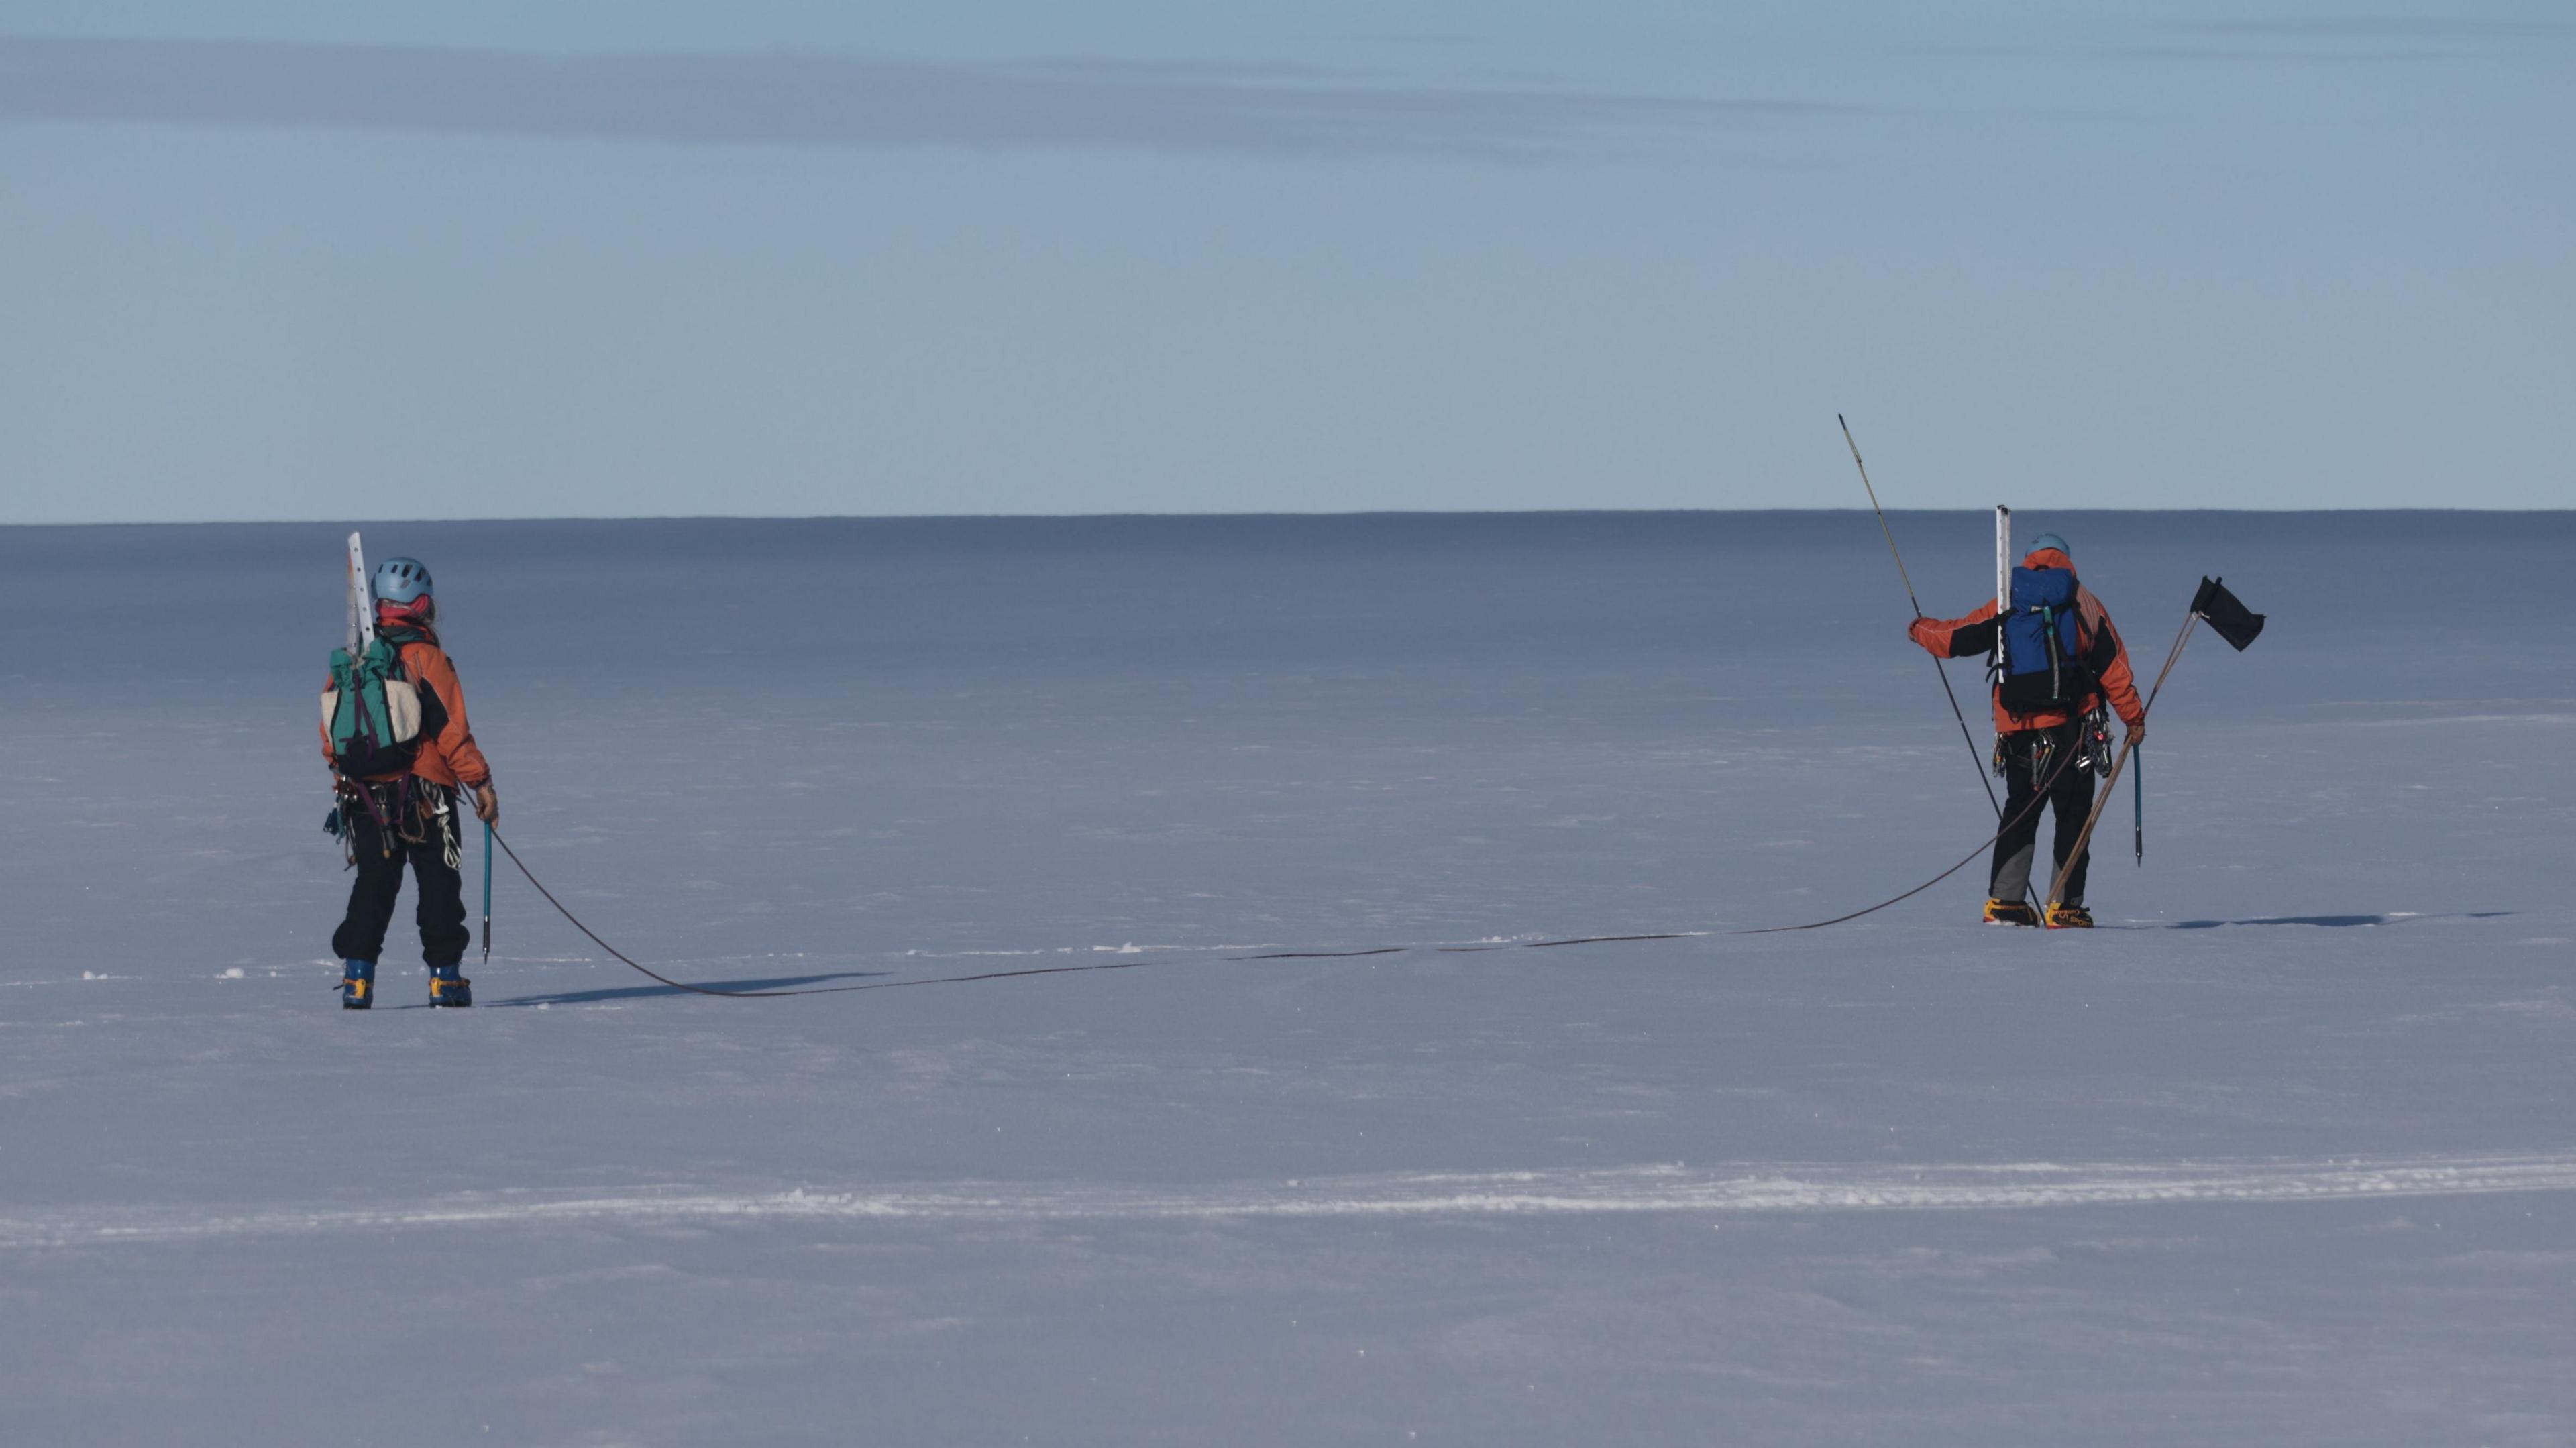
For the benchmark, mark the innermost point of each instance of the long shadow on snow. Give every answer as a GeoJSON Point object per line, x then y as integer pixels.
{"type": "Point", "coordinates": [639, 992]}
{"type": "Point", "coordinates": [2333, 921]}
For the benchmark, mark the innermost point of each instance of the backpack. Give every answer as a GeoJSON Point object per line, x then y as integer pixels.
{"type": "Point", "coordinates": [372, 711]}
{"type": "Point", "coordinates": [2042, 664]}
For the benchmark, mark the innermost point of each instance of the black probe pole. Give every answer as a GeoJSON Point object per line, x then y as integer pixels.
{"type": "Point", "coordinates": [1947, 692]}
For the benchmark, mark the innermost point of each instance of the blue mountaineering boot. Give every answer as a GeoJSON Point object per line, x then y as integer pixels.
{"type": "Point", "coordinates": [447, 988]}
{"type": "Point", "coordinates": [357, 984]}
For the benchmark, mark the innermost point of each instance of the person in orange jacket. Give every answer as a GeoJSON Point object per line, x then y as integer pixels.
{"type": "Point", "coordinates": [2051, 734]}
{"type": "Point", "coordinates": [410, 816]}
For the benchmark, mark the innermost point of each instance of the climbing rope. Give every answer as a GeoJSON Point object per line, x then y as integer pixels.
{"type": "Point", "coordinates": [708, 990]}
{"type": "Point", "coordinates": [2038, 796]}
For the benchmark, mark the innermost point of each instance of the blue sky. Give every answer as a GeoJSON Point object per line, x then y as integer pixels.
{"type": "Point", "coordinates": [325, 261]}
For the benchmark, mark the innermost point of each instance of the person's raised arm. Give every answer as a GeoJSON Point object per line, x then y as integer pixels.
{"type": "Point", "coordinates": [1956, 638]}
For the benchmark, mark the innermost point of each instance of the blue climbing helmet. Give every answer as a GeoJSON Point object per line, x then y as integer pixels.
{"type": "Point", "coordinates": [401, 580]}
{"type": "Point", "coordinates": [2044, 540]}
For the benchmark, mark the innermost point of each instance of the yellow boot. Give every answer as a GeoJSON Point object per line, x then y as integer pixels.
{"type": "Point", "coordinates": [2009, 912]}
{"type": "Point", "coordinates": [2062, 916]}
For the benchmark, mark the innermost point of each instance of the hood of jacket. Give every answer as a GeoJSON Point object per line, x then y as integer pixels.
{"type": "Point", "coordinates": [407, 623]}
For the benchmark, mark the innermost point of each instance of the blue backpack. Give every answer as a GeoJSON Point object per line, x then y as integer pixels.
{"type": "Point", "coordinates": [2042, 665]}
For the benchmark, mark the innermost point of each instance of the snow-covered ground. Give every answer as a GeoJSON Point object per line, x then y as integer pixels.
{"type": "Point", "coordinates": [2286, 1155]}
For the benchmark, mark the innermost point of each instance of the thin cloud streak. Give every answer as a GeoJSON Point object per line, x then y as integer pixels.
{"type": "Point", "coordinates": [2395, 39]}
{"type": "Point", "coordinates": [2286, 55]}
{"type": "Point", "coordinates": [2360, 38]}
{"type": "Point", "coordinates": [819, 100]}
{"type": "Point", "coordinates": [2386, 27]}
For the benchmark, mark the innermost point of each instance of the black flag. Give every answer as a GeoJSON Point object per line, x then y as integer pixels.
{"type": "Point", "coordinates": [2220, 609]}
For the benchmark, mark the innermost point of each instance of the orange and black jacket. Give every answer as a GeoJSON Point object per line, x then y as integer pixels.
{"type": "Point", "coordinates": [448, 754]}
{"type": "Point", "coordinates": [2096, 641]}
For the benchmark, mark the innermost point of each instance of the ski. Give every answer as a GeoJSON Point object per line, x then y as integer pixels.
{"type": "Point", "coordinates": [362, 601]}
{"type": "Point", "coordinates": [2003, 578]}
{"type": "Point", "coordinates": [361, 633]}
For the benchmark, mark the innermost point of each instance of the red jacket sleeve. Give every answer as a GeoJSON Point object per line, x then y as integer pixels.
{"type": "Point", "coordinates": [455, 743]}
{"type": "Point", "coordinates": [2119, 682]}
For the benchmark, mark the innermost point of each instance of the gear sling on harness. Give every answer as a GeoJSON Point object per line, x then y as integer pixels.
{"type": "Point", "coordinates": [2041, 666]}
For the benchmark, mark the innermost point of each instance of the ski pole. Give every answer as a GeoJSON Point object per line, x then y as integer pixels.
{"type": "Point", "coordinates": [487, 892]}
{"type": "Point", "coordinates": [1974, 758]}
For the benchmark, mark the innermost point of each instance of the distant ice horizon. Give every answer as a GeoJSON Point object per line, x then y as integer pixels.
{"type": "Point", "coordinates": [355, 521]}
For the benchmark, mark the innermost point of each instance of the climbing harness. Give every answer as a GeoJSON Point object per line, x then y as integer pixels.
{"type": "Point", "coordinates": [405, 811]}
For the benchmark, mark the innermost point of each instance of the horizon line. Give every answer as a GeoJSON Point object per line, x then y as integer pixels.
{"type": "Point", "coordinates": [1247, 515]}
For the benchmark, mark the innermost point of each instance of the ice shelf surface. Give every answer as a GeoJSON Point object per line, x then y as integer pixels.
{"type": "Point", "coordinates": [2283, 1154]}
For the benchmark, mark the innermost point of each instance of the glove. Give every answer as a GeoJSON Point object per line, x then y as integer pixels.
{"type": "Point", "coordinates": [1920, 631]}
{"type": "Point", "coordinates": [2137, 735]}
{"type": "Point", "coordinates": [487, 804]}
{"type": "Point", "coordinates": [331, 823]}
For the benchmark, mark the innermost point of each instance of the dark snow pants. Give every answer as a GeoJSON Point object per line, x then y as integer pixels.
{"type": "Point", "coordinates": [429, 819]}
{"type": "Point", "coordinates": [2028, 757]}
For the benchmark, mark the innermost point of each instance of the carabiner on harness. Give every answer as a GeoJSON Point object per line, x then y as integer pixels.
{"type": "Point", "coordinates": [2096, 741]}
